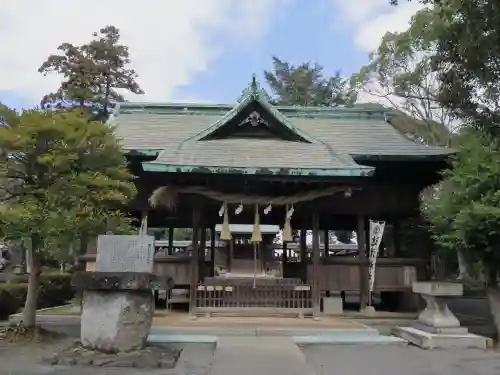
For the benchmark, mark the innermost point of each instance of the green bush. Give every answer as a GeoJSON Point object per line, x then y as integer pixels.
{"type": "Point", "coordinates": [55, 290]}
{"type": "Point", "coordinates": [12, 297]}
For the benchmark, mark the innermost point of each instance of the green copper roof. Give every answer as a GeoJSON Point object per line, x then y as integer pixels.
{"type": "Point", "coordinates": [335, 139]}
{"type": "Point", "coordinates": [256, 156]}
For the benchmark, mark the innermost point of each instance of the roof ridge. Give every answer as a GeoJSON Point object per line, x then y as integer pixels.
{"type": "Point", "coordinates": [286, 111]}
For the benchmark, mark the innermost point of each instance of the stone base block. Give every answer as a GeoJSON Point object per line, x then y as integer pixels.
{"type": "Point", "coordinates": [116, 321]}
{"type": "Point", "coordinates": [369, 311]}
{"type": "Point", "coordinates": [119, 281]}
{"type": "Point", "coordinates": [441, 330]}
{"type": "Point", "coordinates": [333, 306]}
{"type": "Point", "coordinates": [428, 340]}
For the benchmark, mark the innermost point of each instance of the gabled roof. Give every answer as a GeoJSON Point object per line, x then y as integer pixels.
{"type": "Point", "coordinates": [332, 140]}
{"type": "Point", "coordinates": [253, 94]}
{"type": "Point", "coordinates": [152, 127]}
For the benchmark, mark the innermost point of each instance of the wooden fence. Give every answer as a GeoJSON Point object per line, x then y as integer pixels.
{"type": "Point", "coordinates": [273, 296]}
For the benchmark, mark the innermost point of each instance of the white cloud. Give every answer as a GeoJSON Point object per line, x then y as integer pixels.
{"type": "Point", "coordinates": [170, 40]}
{"type": "Point", "coordinates": [371, 19]}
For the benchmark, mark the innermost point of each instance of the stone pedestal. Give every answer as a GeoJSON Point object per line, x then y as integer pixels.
{"type": "Point", "coordinates": [333, 306]}
{"type": "Point", "coordinates": [117, 309]}
{"type": "Point", "coordinates": [436, 326]}
{"type": "Point", "coordinates": [116, 321]}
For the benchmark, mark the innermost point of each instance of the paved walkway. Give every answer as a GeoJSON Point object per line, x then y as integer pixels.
{"type": "Point", "coordinates": [391, 360]}
{"type": "Point", "coordinates": [258, 355]}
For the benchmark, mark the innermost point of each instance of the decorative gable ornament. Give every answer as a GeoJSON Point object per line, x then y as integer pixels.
{"type": "Point", "coordinates": [254, 119]}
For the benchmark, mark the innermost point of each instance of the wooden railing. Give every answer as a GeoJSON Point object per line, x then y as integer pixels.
{"type": "Point", "coordinates": [273, 296]}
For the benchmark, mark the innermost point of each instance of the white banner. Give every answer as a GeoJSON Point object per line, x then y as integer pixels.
{"type": "Point", "coordinates": [376, 234]}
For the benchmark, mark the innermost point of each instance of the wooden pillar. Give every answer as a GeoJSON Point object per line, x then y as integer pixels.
{"type": "Point", "coordinates": [303, 254]}
{"type": "Point", "coordinates": [397, 238]}
{"type": "Point", "coordinates": [231, 253]}
{"type": "Point", "coordinates": [194, 259]}
{"type": "Point", "coordinates": [326, 242]}
{"type": "Point", "coordinates": [284, 261]}
{"type": "Point", "coordinates": [363, 262]}
{"type": "Point", "coordinates": [202, 264]}
{"type": "Point", "coordinates": [315, 267]}
{"type": "Point", "coordinates": [170, 240]}
{"type": "Point", "coordinates": [212, 251]}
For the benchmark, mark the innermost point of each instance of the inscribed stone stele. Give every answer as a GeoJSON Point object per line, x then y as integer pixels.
{"type": "Point", "coordinates": [119, 253]}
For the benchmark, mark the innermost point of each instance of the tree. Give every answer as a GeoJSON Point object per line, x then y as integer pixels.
{"type": "Point", "coordinates": [65, 174]}
{"type": "Point", "coordinates": [467, 58]}
{"type": "Point", "coordinates": [465, 212]}
{"type": "Point", "coordinates": [93, 73]}
{"type": "Point", "coordinates": [305, 85]}
{"type": "Point", "coordinates": [400, 72]}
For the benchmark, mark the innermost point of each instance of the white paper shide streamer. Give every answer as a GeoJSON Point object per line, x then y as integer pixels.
{"type": "Point", "coordinates": [376, 234]}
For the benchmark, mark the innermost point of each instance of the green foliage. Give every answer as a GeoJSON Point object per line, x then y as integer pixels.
{"type": "Point", "coordinates": [12, 297]}
{"type": "Point", "coordinates": [92, 73]}
{"type": "Point", "coordinates": [7, 115]}
{"type": "Point", "coordinates": [464, 210]}
{"type": "Point", "coordinates": [466, 58]}
{"type": "Point", "coordinates": [401, 72]}
{"type": "Point", "coordinates": [305, 85]}
{"type": "Point", "coordinates": [55, 290]}
{"type": "Point", "coordinates": [65, 174]}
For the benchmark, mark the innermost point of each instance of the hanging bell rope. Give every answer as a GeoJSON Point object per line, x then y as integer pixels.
{"type": "Point", "coordinates": [168, 195]}
{"type": "Point", "coordinates": [256, 234]}
{"type": "Point", "coordinates": [225, 233]}
{"type": "Point", "coordinates": [143, 230]}
{"type": "Point", "coordinates": [287, 228]}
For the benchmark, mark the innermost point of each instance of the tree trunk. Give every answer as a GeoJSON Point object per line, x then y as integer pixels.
{"type": "Point", "coordinates": [493, 293]}
{"type": "Point", "coordinates": [29, 313]}
{"type": "Point", "coordinates": [494, 299]}
{"type": "Point", "coordinates": [463, 272]}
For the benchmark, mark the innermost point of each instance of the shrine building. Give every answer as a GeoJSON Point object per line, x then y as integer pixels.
{"type": "Point", "coordinates": [240, 174]}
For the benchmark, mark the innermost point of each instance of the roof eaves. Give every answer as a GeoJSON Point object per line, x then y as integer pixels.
{"type": "Point", "coordinates": [407, 157]}
{"type": "Point", "coordinates": [143, 152]}
{"type": "Point", "coordinates": [358, 171]}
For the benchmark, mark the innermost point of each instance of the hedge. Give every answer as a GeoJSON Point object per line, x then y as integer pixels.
{"type": "Point", "coordinates": [55, 290]}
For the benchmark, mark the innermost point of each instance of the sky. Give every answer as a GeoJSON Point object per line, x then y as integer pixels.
{"type": "Point", "coordinates": [193, 50]}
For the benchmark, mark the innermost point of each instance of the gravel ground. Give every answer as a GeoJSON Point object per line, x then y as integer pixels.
{"type": "Point", "coordinates": [392, 360]}
{"type": "Point", "coordinates": [195, 359]}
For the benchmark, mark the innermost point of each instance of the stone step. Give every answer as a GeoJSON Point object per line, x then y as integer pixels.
{"type": "Point", "coordinates": [349, 340]}
{"type": "Point", "coordinates": [262, 331]}
{"type": "Point", "coordinates": [258, 355]}
{"type": "Point", "coordinates": [252, 313]}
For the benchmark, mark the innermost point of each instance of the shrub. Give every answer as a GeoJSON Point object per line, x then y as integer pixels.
{"type": "Point", "coordinates": [55, 290]}
{"type": "Point", "coordinates": [12, 297]}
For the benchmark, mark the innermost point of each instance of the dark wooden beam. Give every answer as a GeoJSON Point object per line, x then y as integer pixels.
{"type": "Point", "coordinates": [303, 253]}
{"type": "Point", "coordinates": [171, 230]}
{"type": "Point", "coordinates": [315, 267]}
{"type": "Point", "coordinates": [363, 269]}
{"type": "Point", "coordinates": [194, 259]}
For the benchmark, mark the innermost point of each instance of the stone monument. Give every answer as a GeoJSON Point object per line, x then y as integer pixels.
{"type": "Point", "coordinates": [436, 326]}
{"type": "Point", "coordinates": [118, 300]}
